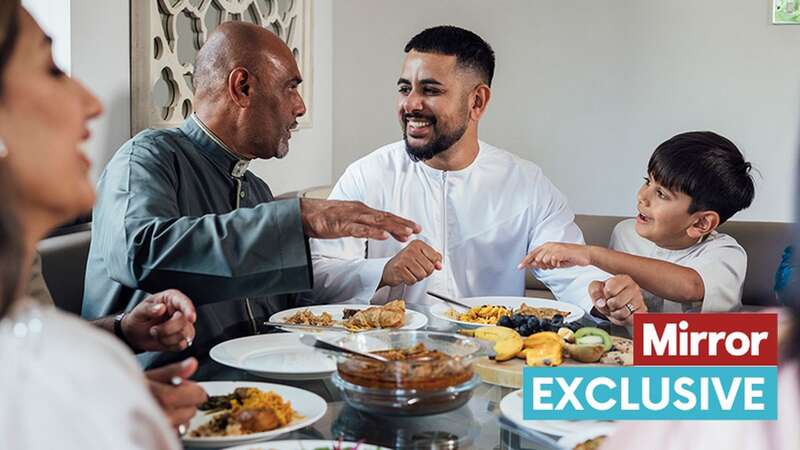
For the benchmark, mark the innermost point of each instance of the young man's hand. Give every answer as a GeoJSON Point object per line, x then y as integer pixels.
{"type": "Point", "coordinates": [555, 255]}
{"type": "Point", "coordinates": [618, 298]}
{"type": "Point", "coordinates": [414, 263]}
{"type": "Point", "coordinates": [161, 322]}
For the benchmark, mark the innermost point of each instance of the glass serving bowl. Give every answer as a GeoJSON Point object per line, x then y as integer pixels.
{"type": "Point", "coordinates": [425, 383]}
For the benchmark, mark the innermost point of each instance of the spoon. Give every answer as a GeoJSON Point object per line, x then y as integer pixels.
{"type": "Point", "coordinates": [312, 341]}
{"type": "Point", "coordinates": [449, 300]}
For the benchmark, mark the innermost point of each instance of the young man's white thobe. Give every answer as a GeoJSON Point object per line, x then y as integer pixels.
{"type": "Point", "coordinates": [483, 220]}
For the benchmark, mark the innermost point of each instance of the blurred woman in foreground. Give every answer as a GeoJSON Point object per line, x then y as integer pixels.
{"type": "Point", "coordinates": [64, 383]}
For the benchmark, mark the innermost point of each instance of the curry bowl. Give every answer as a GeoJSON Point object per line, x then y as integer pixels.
{"type": "Point", "coordinates": [427, 372]}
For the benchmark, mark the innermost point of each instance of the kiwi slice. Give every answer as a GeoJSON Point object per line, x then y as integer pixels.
{"type": "Point", "coordinates": [593, 336]}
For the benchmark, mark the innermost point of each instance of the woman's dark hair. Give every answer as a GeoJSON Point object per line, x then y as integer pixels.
{"type": "Point", "coordinates": [708, 168]}
{"type": "Point", "coordinates": [10, 259]}
{"type": "Point", "coordinates": [10, 247]}
{"type": "Point", "coordinates": [470, 50]}
{"type": "Point", "coordinates": [9, 28]}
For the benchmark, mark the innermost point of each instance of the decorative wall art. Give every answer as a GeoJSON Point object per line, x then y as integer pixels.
{"type": "Point", "coordinates": [166, 35]}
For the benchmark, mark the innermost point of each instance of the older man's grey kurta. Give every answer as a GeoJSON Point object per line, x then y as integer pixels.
{"type": "Point", "coordinates": [166, 217]}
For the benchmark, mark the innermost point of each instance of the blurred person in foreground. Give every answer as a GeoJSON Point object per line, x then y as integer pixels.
{"type": "Point", "coordinates": [64, 383]}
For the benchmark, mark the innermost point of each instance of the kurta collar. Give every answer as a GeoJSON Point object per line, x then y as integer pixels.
{"type": "Point", "coordinates": [213, 147]}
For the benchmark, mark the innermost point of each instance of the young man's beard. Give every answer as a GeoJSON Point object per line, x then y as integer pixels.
{"type": "Point", "coordinates": [440, 143]}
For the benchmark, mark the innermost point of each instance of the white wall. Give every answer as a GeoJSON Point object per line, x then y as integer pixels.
{"type": "Point", "coordinates": [98, 44]}
{"type": "Point", "coordinates": [588, 89]}
{"type": "Point", "coordinates": [100, 49]}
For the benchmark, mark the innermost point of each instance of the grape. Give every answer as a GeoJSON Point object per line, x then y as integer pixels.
{"type": "Point", "coordinates": [505, 321]}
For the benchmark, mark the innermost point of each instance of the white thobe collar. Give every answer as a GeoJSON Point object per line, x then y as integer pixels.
{"type": "Point", "coordinates": [438, 172]}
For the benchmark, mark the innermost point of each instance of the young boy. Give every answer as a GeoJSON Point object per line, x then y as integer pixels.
{"type": "Point", "coordinates": [695, 182]}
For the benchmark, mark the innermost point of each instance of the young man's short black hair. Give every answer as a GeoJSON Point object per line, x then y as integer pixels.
{"type": "Point", "coordinates": [708, 168]}
{"type": "Point", "coordinates": [470, 50]}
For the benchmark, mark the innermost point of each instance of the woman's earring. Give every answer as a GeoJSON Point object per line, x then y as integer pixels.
{"type": "Point", "coordinates": [3, 149]}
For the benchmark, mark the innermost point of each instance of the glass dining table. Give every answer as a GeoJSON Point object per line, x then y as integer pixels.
{"type": "Point", "coordinates": [478, 425]}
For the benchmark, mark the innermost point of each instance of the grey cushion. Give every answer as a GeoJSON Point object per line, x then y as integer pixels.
{"type": "Point", "coordinates": [763, 241]}
{"type": "Point", "coordinates": [64, 267]}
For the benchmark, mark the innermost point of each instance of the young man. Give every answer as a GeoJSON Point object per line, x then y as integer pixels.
{"type": "Point", "coordinates": [695, 182]}
{"type": "Point", "coordinates": [481, 208]}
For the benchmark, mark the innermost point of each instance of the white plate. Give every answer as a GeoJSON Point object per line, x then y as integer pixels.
{"type": "Point", "coordinates": [307, 404]}
{"type": "Point", "coordinates": [569, 441]}
{"type": "Point", "coordinates": [278, 356]}
{"type": "Point", "coordinates": [511, 408]}
{"type": "Point", "coordinates": [306, 445]}
{"type": "Point", "coordinates": [441, 309]}
{"type": "Point", "coordinates": [414, 320]}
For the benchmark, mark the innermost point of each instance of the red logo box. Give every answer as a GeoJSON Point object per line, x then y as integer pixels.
{"type": "Point", "coordinates": [722, 339]}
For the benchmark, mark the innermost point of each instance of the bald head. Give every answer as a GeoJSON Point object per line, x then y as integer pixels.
{"type": "Point", "coordinates": [232, 45]}
{"type": "Point", "coordinates": [246, 90]}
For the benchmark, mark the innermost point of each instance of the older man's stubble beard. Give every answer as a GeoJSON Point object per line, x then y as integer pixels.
{"type": "Point", "coordinates": [283, 149]}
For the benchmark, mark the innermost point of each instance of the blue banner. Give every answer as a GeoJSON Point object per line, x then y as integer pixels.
{"type": "Point", "coordinates": [650, 393]}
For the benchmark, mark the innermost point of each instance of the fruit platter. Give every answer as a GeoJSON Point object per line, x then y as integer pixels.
{"type": "Point", "coordinates": [568, 345]}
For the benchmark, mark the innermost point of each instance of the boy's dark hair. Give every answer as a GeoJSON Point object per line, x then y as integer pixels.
{"type": "Point", "coordinates": [470, 50]}
{"type": "Point", "coordinates": [708, 168]}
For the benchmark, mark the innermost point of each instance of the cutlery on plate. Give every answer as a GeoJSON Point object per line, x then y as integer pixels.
{"type": "Point", "coordinates": [448, 300]}
{"type": "Point", "coordinates": [312, 341]}
{"type": "Point", "coordinates": [298, 325]}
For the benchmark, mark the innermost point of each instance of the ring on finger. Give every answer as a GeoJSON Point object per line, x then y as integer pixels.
{"type": "Point", "coordinates": [630, 308]}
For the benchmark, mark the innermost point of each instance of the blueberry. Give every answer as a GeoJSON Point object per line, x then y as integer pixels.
{"type": "Point", "coordinates": [533, 323]}
{"type": "Point", "coordinates": [524, 330]}
{"type": "Point", "coordinates": [557, 320]}
{"type": "Point", "coordinates": [517, 320]}
{"type": "Point", "coordinates": [505, 321]}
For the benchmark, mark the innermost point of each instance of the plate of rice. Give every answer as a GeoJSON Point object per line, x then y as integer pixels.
{"type": "Point", "coordinates": [488, 310]}
{"type": "Point", "coordinates": [241, 412]}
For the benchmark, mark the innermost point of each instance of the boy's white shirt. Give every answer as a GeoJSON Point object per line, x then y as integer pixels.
{"type": "Point", "coordinates": [719, 259]}
{"type": "Point", "coordinates": [484, 219]}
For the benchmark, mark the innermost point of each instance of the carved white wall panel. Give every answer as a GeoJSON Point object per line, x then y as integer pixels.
{"type": "Point", "coordinates": [165, 37]}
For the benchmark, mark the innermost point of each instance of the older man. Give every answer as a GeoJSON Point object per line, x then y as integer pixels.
{"type": "Point", "coordinates": [177, 208]}
{"type": "Point", "coordinates": [482, 208]}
